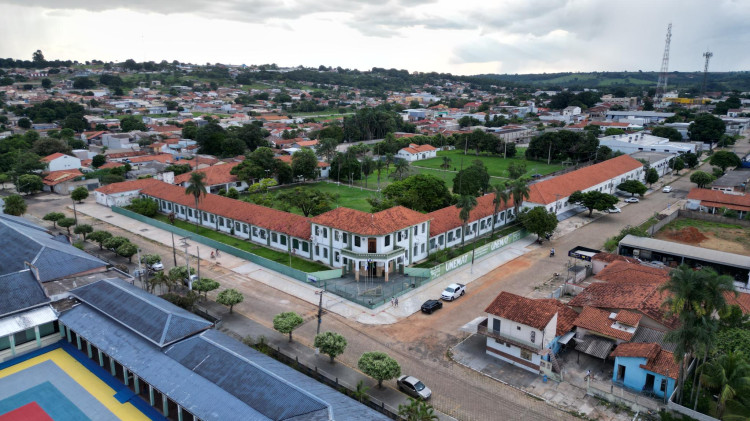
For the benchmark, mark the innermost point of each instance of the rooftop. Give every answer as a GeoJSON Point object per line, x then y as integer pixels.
{"type": "Point", "coordinates": [598, 321]}
{"type": "Point", "coordinates": [380, 223]}
{"type": "Point", "coordinates": [446, 219]}
{"type": "Point", "coordinates": [527, 311]}
{"type": "Point", "coordinates": [215, 174]}
{"type": "Point", "coordinates": [697, 253]}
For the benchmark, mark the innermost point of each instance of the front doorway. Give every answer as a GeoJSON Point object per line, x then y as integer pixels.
{"type": "Point", "coordinates": [649, 382]}
{"type": "Point", "coordinates": [620, 373]}
{"type": "Point", "coordinates": [372, 245]}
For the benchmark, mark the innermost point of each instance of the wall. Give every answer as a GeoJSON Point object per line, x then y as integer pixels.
{"type": "Point", "coordinates": [513, 355]}
{"type": "Point", "coordinates": [713, 218]}
{"type": "Point", "coordinates": [466, 258]}
{"type": "Point", "coordinates": [635, 376]}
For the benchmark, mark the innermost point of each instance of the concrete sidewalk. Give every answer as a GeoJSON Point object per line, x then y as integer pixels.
{"type": "Point", "coordinates": [409, 302]}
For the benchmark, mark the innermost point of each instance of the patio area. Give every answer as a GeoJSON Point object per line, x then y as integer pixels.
{"type": "Point", "coordinates": [372, 291]}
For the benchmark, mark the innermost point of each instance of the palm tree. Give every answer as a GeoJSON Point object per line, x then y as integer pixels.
{"type": "Point", "coordinates": [501, 199]}
{"type": "Point", "coordinates": [684, 337]}
{"type": "Point", "coordinates": [446, 163]}
{"type": "Point", "coordinates": [401, 170]}
{"type": "Point", "coordinates": [197, 188]}
{"type": "Point", "coordinates": [466, 203]}
{"type": "Point", "coordinates": [519, 191]}
{"type": "Point", "coordinates": [379, 167]}
{"type": "Point", "coordinates": [417, 410]}
{"type": "Point", "coordinates": [388, 161]}
{"type": "Point", "coordinates": [729, 376]}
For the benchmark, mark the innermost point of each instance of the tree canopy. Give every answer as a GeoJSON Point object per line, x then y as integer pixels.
{"type": "Point", "coordinates": [330, 343]}
{"type": "Point", "coordinates": [419, 192]}
{"type": "Point", "coordinates": [379, 366]}
{"type": "Point", "coordinates": [473, 180]}
{"type": "Point", "coordinates": [593, 200]}
{"type": "Point", "coordinates": [706, 128]}
{"type": "Point", "coordinates": [539, 221]}
{"type": "Point", "coordinates": [633, 187]}
{"type": "Point", "coordinates": [286, 322]}
{"type": "Point", "coordinates": [229, 297]}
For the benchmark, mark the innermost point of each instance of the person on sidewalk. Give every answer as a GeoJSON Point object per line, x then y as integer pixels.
{"type": "Point", "coordinates": [396, 301]}
{"type": "Point", "coordinates": [392, 302]}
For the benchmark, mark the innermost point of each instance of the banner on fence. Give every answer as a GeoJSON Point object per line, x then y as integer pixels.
{"type": "Point", "coordinates": [478, 252]}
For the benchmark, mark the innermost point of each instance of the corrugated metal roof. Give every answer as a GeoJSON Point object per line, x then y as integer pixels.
{"type": "Point", "coordinates": [197, 395]}
{"type": "Point", "coordinates": [26, 320]}
{"type": "Point", "coordinates": [20, 290]}
{"type": "Point", "coordinates": [269, 394]}
{"type": "Point", "coordinates": [21, 241]}
{"type": "Point", "coordinates": [697, 253]}
{"type": "Point", "coordinates": [157, 320]}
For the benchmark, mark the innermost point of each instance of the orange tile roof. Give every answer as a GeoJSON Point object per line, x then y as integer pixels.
{"type": "Point", "coordinates": [621, 271]}
{"type": "Point", "coordinates": [717, 198]}
{"type": "Point", "coordinates": [363, 223]}
{"type": "Point", "coordinates": [566, 316]}
{"type": "Point", "coordinates": [629, 318]}
{"type": "Point", "coordinates": [527, 311]}
{"type": "Point", "coordinates": [215, 174]}
{"type": "Point", "coordinates": [663, 364]}
{"type": "Point", "coordinates": [113, 164]}
{"type": "Point", "coordinates": [446, 219]}
{"type": "Point", "coordinates": [414, 149]}
{"type": "Point", "coordinates": [164, 158]}
{"type": "Point", "coordinates": [549, 190]}
{"type": "Point", "coordinates": [52, 157]}
{"type": "Point", "coordinates": [164, 129]}
{"type": "Point", "coordinates": [57, 177]}
{"type": "Point", "coordinates": [618, 295]}
{"type": "Point", "coordinates": [598, 321]}
{"type": "Point", "coordinates": [261, 216]}
{"type": "Point", "coordinates": [130, 185]}
{"type": "Point", "coordinates": [611, 257]}
{"type": "Point", "coordinates": [126, 154]}
{"type": "Point", "coordinates": [307, 143]}
{"type": "Point", "coordinates": [636, 349]}
{"type": "Point", "coordinates": [741, 299]}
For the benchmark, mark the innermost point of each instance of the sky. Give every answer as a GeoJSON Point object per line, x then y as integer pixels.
{"type": "Point", "coordinates": [454, 36]}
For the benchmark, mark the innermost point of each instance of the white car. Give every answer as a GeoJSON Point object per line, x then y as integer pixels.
{"type": "Point", "coordinates": [631, 200]}
{"type": "Point", "coordinates": [613, 209]}
{"type": "Point", "coordinates": [156, 267]}
{"type": "Point", "coordinates": [414, 387]}
{"type": "Point", "coordinates": [667, 189]}
{"type": "Point", "coordinates": [453, 291]}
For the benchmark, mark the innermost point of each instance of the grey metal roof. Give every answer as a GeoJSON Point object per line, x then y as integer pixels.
{"type": "Point", "coordinates": [647, 335]}
{"type": "Point", "coordinates": [343, 407]}
{"type": "Point", "coordinates": [640, 113]}
{"type": "Point", "coordinates": [271, 395]}
{"type": "Point", "coordinates": [594, 346]}
{"type": "Point", "coordinates": [733, 178]}
{"type": "Point", "coordinates": [196, 394]}
{"type": "Point", "coordinates": [21, 321]}
{"type": "Point", "coordinates": [157, 320]}
{"type": "Point", "coordinates": [19, 291]}
{"type": "Point", "coordinates": [21, 241]}
{"type": "Point", "coordinates": [697, 253]}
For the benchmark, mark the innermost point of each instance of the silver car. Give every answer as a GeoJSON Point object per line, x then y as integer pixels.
{"type": "Point", "coordinates": [413, 387]}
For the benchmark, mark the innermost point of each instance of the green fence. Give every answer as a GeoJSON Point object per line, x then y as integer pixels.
{"type": "Point", "coordinates": [418, 272]}
{"type": "Point", "coordinates": [324, 275]}
{"type": "Point", "coordinates": [466, 258]}
{"type": "Point", "coordinates": [269, 264]}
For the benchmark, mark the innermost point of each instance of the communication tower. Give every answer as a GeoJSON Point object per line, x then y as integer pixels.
{"type": "Point", "coordinates": [661, 85]}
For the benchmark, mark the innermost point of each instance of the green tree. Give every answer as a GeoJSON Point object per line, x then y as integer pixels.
{"type": "Point", "coordinates": [311, 202]}
{"type": "Point", "coordinates": [419, 192]}
{"type": "Point", "coordinates": [98, 160]}
{"type": "Point", "coordinates": [150, 259]}
{"type": "Point", "coordinates": [29, 184]}
{"type": "Point", "coordinates": [262, 186]}
{"type": "Point", "coordinates": [539, 221]}
{"type": "Point", "coordinates": [611, 131]}
{"type": "Point", "coordinates": [706, 128]}
{"type": "Point", "coordinates": [330, 343]}
{"type": "Point", "coordinates": [100, 237]}
{"type": "Point", "coordinates": [66, 223]}
{"type": "Point", "coordinates": [724, 160]}
{"type": "Point", "coordinates": [633, 187]}
{"type": "Point", "coordinates": [728, 376]}
{"type": "Point", "coordinates": [677, 164]}
{"type": "Point", "coordinates": [24, 123]}
{"type": "Point", "coordinates": [111, 243]}
{"type": "Point", "coordinates": [466, 204]}
{"type": "Point", "coordinates": [668, 132]}
{"type": "Point", "coordinates": [178, 169]}
{"type": "Point", "coordinates": [233, 193]}
{"type": "Point", "coordinates": [54, 217]}
{"type": "Point", "coordinates": [593, 200]}
{"type": "Point", "coordinates": [144, 206]}
{"type": "Point", "coordinates": [127, 250]}
{"type": "Point", "coordinates": [130, 123]}
{"type": "Point", "coordinates": [691, 159]}
{"type": "Point", "coordinates": [417, 410]}
{"type": "Point", "coordinates": [286, 322]}
{"type": "Point", "coordinates": [78, 194]}
{"type": "Point", "coordinates": [652, 176]}
{"type": "Point", "coordinates": [14, 205]}
{"type": "Point", "coordinates": [205, 285]}
{"type": "Point", "coordinates": [519, 191]}
{"type": "Point", "coordinates": [402, 170]}
{"type": "Point", "coordinates": [305, 164]}
{"type": "Point", "coordinates": [379, 366]}
{"type": "Point", "coordinates": [701, 179]}
{"type": "Point", "coordinates": [197, 188]}
{"type": "Point", "coordinates": [516, 170]}
{"type": "Point", "coordinates": [4, 178]}
{"type": "Point", "coordinates": [47, 146]}
{"type": "Point", "coordinates": [84, 229]}
{"type": "Point", "coordinates": [326, 147]}
{"type": "Point", "coordinates": [474, 180]}
{"type": "Point", "coordinates": [46, 83]}
{"type": "Point", "coordinates": [446, 165]}
{"type": "Point", "coordinates": [229, 297]}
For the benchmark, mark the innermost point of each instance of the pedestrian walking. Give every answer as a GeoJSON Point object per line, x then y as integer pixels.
{"type": "Point", "coordinates": [392, 302]}
{"type": "Point", "coordinates": [217, 253]}
{"type": "Point", "coordinates": [396, 301]}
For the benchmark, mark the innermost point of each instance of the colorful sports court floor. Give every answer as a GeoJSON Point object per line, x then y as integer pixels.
{"type": "Point", "coordinates": [55, 386]}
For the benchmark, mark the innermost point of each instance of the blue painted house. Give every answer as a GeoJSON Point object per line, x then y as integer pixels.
{"type": "Point", "coordinates": [645, 367]}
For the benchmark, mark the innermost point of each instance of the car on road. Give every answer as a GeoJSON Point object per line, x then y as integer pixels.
{"type": "Point", "coordinates": [667, 189]}
{"type": "Point", "coordinates": [453, 291]}
{"type": "Point", "coordinates": [631, 200]}
{"type": "Point", "coordinates": [413, 387]}
{"type": "Point", "coordinates": [430, 306]}
{"type": "Point", "coordinates": [156, 267]}
{"type": "Point", "coordinates": [613, 209]}
{"type": "Point", "coordinates": [193, 278]}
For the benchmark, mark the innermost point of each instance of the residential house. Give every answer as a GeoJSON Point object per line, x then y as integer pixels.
{"type": "Point", "coordinates": [735, 181]}
{"type": "Point", "coordinates": [417, 152]}
{"type": "Point", "coordinates": [58, 162]}
{"type": "Point", "coordinates": [713, 201]}
{"type": "Point", "coordinates": [217, 177]}
{"type": "Point", "coordinates": [64, 181]}
{"type": "Point", "coordinates": [526, 332]}
{"type": "Point", "coordinates": [645, 368]}
{"type": "Point", "coordinates": [120, 194]}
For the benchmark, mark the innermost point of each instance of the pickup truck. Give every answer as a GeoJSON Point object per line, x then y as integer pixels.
{"type": "Point", "coordinates": [453, 291]}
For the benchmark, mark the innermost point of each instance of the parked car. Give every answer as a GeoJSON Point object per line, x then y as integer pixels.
{"type": "Point", "coordinates": [537, 176]}
{"type": "Point", "coordinates": [667, 189]}
{"type": "Point", "coordinates": [156, 267]}
{"type": "Point", "coordinates": [613, 209]}
{"type": "Point", "coordinates": [414, 387]}
{"type": "Point", "coordinates": [453, 291]}
{"type": "Point", "coordinates": [631, 200]}
{"type": "Point", "coordinates": [193, 278]}
{"type": "Point", "coordinates": [430, 306]}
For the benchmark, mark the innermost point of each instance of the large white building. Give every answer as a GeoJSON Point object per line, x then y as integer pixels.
{"type": "Point", "coordinates": [417, 152]}
{"type": "Point", "coordinates": [58, 162]}
{"type": "Point", "coordinates": [641, 142]}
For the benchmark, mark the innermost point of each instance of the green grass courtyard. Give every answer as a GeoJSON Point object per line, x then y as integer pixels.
{"type": "Point", "coordinates": [497, 166]}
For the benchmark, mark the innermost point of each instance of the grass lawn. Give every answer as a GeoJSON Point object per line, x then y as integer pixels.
{"type": "Point", "coordinates": [349, 197]}
{"type": "Point", "coordinates": [496, 165]}
{"type": "Point", "coordinates": [270, 254]}
{"type": "Point", "coordinates": [701, 225]}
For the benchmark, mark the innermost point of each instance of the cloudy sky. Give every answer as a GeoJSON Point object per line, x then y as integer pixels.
{"type": "Point", "coordinates": [457, 36]}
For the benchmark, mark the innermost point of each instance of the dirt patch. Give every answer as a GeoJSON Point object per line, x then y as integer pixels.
{"type": "Point", "coordinates": [689, 235]}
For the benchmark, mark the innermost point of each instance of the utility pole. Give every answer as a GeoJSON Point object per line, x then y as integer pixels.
{"type": "Point", "coordinates": [139, 267]}
{"type": "Point", "coordinates": [187, 261]}
{"type": "Point", "coordinates": [320, 308]}
{"type": "Point", "coordinates": [549, 154]}
{"type": "Point", "coordinates": [198, 253]}
{"type": "Point", "coordinates": [174, 251]}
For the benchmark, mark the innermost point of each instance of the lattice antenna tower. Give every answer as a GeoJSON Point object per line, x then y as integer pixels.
{"type": "Point", "coordinates": [661, 85]}
{"type": "Point", "coordinates": [708, 54]}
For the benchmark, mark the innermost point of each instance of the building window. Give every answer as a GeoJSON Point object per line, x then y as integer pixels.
{"type": "Point", "coordinates": [4, 343]}
{"type": "Point", "coordinates": [357, 241]}
{"type": "Point", "coordinates": [255, 231]}
{"type": "Point", "coordinates": [317, 250]}
{"type": "Point", "coordinates": [450, 236]}
{"type": "Point", "coordinates": [283, 240]}
{"type": "Point", "coordinates": [496, 325]}
{"type": "Point", "coordinates": [533, 336]}
{"type": "Point", "coordinates": [244, 228]}
{"type": "Point", "coordinates": [422, 247]}
{"type": "Point", "coordinates": [325, 253]}
{"type": "Point", "coordinates": [190, 212]}
{"type": "Point", "coordinates": [205, 217]}
{"type": "Point", "coordinates": [221, 221]}
{"type": "Point", "coordinates": [336, 256]}
{"type": "Point", "coordinates": [398, 236]}
{"type": "Point", "coordinates": [304, 247]}
{"type": "Point", "coordinates": [526, 355]}
{"type": "Point", "coordinates": [336, 235]}
{"type": "Point", "coordinates": [518, 327]}
{"type": "Point", "coordinates": [237, 226]}
{"type": "Point", "coordinates": [213, 219]}
{"type": "Point", "coordinates": [273, 237]}
{"type": "Point", "coordinates": [325, 232]}
{"type": "Point", "coordinates": [317, 230]}
{"type": "Point", "coordinates": [416, 230]}
{"type": "Point", "coordinates": [263, 234]}
{"type": "Point", "coordinates": [414, 253]}
{"type": "Point", "coordinates": [424, 225]}
{"type": "Point", "coordinates": [345, 238]}
{"type": "Point", "coordinates": [387, 240]}
{"type": "Point", "coordinates": [27, 335]}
